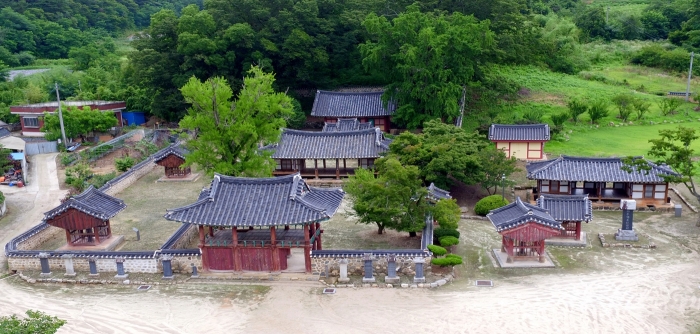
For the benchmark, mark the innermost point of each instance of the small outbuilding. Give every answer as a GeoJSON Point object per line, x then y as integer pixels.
{"type": "Point", "coordinates": [524, 228]}
{"type": "Point", "coordinates": [85, 217]}
{"type": "Point", "coordinates": [253, 223]}
{"type": "Point", "coordinates": [172, 159]}
{"type": "Point", "coordinates": [522, 141]}
{"type": "Point", "coordinates": [569, 210]}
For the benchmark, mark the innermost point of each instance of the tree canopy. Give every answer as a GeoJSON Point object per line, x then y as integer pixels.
{"type": "Point", "coordinates": [77, 122]}
{"type": "Point", "coordinates": [36, 322]}
{"type": "Point", "coordinates": [428, 59]}
{"type": "Point", "coordinates": [228, 132]}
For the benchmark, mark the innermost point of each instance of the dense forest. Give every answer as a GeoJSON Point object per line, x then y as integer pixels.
{"type": "Point", "coordinates": [428, 53]}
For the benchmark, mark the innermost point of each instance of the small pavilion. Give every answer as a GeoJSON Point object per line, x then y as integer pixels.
{"type": "Point", "coordinates": [253, 223]}
{"type": "Point", "coordinates": [569, 210]}
{"type": "Point", "coordinates": [172, 158]}
{"type": "Point", "coordinates": [524, 228]}
{"type": "Point", "coordinates": [85, 217]}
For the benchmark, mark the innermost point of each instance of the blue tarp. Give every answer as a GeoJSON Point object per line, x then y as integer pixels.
{"type": "Point", "coordinates": [17, 156]}
{"type": "Point", "coordinates": [134, 118]}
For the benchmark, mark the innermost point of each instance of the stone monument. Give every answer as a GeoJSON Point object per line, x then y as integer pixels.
{"type": "Point", "coordinates": [369, 274]}
{"type": "Point", "coordinates": [92, 262]}
{"type": "Point", "coordinates": [166, 259]}
{"type": "Point", "coordinates": [44, 261]}
{"type": "Point", "coordinates": [343, 271]}
{"type": "Point", "coordinates": [68, 262]}
{"type": "Point", "coordinates": [391, 277]}
{"type": "Point", "coordinates": [419, 277]}
{"type": "Point", "coordinates": [626, 233]}
{"type": "Point", "coordinates": [120, 268]}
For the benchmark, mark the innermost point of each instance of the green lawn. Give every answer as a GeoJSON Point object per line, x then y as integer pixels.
{"type": "Point", "coordinates": [612, 141]}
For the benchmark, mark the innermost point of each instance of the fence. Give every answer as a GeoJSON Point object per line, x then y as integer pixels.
{"type": "Point", "coordinates": [40, 147]}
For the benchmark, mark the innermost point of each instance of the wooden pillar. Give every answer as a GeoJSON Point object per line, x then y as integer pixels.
{"type": "Point", "coordinates": [324, 163]}
{"type": "Point", "coordinates": [237, 261]}
{"type": "Point", "coordinates": [68, 238]}
{"type": "Point", "coordinates": [211, 231]}
{"type": "Point", "coordinates": [286, 227]}
{"type": "Point", "coordinates": [541, 250]}
{"type": "Point", "coordinates": [503, 244]}
{"type": "Point", "coordinates": [96, 235]}
{"type": "Point", "coordinates": [509, 250]}
{"type": "Point", "coordinates": [337, 169]}
{"type": "Point", "coordinates": [316, 167]}
{"type": "Point", "coordinates": [312, 232]}
{"type": "Point", "coordinates": [109, 229]}
{"type": "Point", "coordinates": [276, 266]}
{"type": "Point", "coordinates": [599, 186]}
{"type": "Point", "coordinates": [307, 249]}
{"type": "Point", "coordinates": [578, 230]}
{"type": "Point", "coordinates": [318, 238]}
{"type": "Point", "coordinates": [202, 246]}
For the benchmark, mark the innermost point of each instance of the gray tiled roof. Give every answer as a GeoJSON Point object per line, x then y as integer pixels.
{"type": "Point", "coordinates": [4, 132]}
{"type": "Point", "coordinates": [567, 207]}
{"type": "Point", "coordinates": [566, 168]}
{"type": "Point", "coordinates": [296, 144]}
{"type": "Point", "coordinates": [236, 201]}
{"type": "Point", "coordinates": [436, 193]}
{"type": "Point", "coordinates": [519, 213]}
{"type": "Point", "coordinates": [346, 124]}
{"type": "Point", "coordinates": [92, 202]}
{"type": "Point", "coordinates": [528, 132]}
{"type": "Point", "coordinates": [344, 105]}
{"type": "Point", "coordinates": [175, 149]}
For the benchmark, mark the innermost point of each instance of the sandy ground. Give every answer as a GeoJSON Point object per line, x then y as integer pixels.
{"type": "Point", "coordinates": [642, 297]}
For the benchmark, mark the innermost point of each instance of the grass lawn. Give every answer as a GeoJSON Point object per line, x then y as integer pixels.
{"type": "Point", "coordinates": [612, 141]}
{"type": "Point", "coordinates": [146, 202]}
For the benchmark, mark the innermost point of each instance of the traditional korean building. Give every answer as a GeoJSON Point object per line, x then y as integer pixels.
{"type": "Point", "coordinates": [367, 107]}
{"type": "Point", "coordinates": [327, 154]}
{"type": "Point", "coordinates": [346, 124]}
{"type": "Point", "coordinates": [253, 223]}
{"type": "Point", "coordinates": [569, 210]}
{"type": "Point", "coordinates": [172, 160]}
{"type": "Point", "coordinates": [85, 217]}
{"type": "Point", "coordinates": [523, 141]}
{"type": "Point", "coordinates": [524, 228]}
{"type": "Point", "coordinates": [602, 179]}
{"type": "Point", "coordinates": [435, 194]}
{"type": "Point", "coordinates": [32, 115]}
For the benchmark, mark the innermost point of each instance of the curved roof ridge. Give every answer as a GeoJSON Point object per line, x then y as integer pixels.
{"type": "Point", "coordinates": [327, 133]}
{"type": "Point", "coordinates": [319, 91]}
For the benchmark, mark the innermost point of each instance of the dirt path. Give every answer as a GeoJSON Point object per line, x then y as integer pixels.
{"type": "Point", "coordinates": [27, 205]}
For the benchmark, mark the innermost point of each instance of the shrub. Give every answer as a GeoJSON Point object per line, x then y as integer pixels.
{"type": "Point", "coordinates": [448, 241]}
{"type": "Point", "coordinates": [99, 180]}
{"type": "Point", "coordinates": [641, 107]}
{"type": "Point", "coordinates": [67, 158]}
{"type": "Point", "coordinates": [558, 121]}
{"type": "Point", "coordinates": [488, 203]}
{"type": "Point", "coordinates": [447, 261]}
{"type": "Point", "coordinates": [576, 108]}
{"type": "Point", "coordinates": [437, 250]}
{"type": "Point", "coordinates": [76, 176]}
{"type": "Point", "coordinates": [445, 232]}
{"type": "Point", "coordinates": [36, 322]}
{"type": "Point", "coordinates": [123, 164]}
{"type": "Point", "coordinates": [598, 110]}
{"type": "Point", "coordinates": [624, 104]}
{"type": "Point", "coordinates": [668, 106]}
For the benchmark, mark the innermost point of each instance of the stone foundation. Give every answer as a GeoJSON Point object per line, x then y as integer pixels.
{"type": "Point", "coordinates": [181, 264]}
{"type": "Point", "coordinates": [404, 265]}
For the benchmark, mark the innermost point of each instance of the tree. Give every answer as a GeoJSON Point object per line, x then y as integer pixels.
{"type": "Point", "coordinates": [576, 108]}
{"type": "Point", "coordinates": [672, 149]}
{"type": "Point", "coordinates": [443, 153]}
{"type": "Point", "coordinates": [77, 122]}
{"type": "Point", "coordinates": [228, 131]}
{"type": "Point", "coordinates": [447, 213]}
{"type": "Point", "coordinates": [558, 121]}
{"type": "Point", "coordinates": [641, 107]}
{"type": "Point", "coordinates": [669, 106]}
{"type": "Point", "coordinates": [36, 322]}
{"type": "Point", "coordinates": [394, 199]}
{"type": "Point", "coordinates": [6, 161]}
{"type": "Point", "coordinates": [598, 110]}
{"type": "Point", "coordinates": [493, 165]}
{"type": "Point", "coordinates": [427, 60]}
{"type": "Point", "coordinates": [625, 105]}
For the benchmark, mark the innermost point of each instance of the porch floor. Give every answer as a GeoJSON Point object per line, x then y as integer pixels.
{"type": "Point", "coordinates": [502, 257]}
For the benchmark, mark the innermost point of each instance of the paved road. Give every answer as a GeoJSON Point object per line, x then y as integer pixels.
{"type": "Point", "coordinates": [27, 205]}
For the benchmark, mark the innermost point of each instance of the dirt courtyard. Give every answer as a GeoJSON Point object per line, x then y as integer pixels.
{"type": "Point", "coordinates": [594, 289]}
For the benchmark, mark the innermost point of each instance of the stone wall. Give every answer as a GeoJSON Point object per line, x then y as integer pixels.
{"type": "Point", "coordinates": [404, 265]}
{"type": "Point", "coordinates": [180, 264]}
{"type": "Point", "coordinates": [187, 238]}
{"type": "Point", "coordinates": [124, 183]}
{"type": "Point", "coordinates": [34, 241]}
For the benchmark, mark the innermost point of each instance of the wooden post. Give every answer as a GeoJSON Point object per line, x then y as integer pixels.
{"type": "Point", "coordinates": [503, 244]}
{"type": "Point", "coordinates": [275, 251]}
{"type": "Point", "coordinates": [68, 238]}
{"type": "Point", "coordinates": [312, 232]}
{"type": "Point", "coordinates": [578, 230]}
{"type": "Point", "coordinates": [318, 238]}
{"type": "Point", "coordinates": [201, 236]}
{"type": "Point", "coordinates": [316, 167]}
{"type": "Point", "coordinates": [237, 261]}
{"type": "Point", "coordinates": [307, 249]}
{"type": "Point", "coordinates": [599, 185]}
{"type": "Point", "coordinates": [211, 231]}
{"type": "Point", "coordinates": [203, 247]}
{"type": "Point", "coordinates": [96, 235]}
{"type": "Point", "coordinates": [337, 169]}
{"type": "Point", "coordinates": [541, 248]}
{"type": "Point", "coordinates": [286, 227]}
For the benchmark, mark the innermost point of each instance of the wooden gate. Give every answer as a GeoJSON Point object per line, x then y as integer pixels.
{"type": "Point", "coordinates": [260, 259]}
{"type": "Point", "coordinates": [219, 258]}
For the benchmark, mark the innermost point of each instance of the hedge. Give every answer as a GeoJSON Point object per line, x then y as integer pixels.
{"type": "Point", "coordinates": [488, 203]}
{"type": "Point", "coordinates": [437, 250]}
{"type": "Point", "coordinates": [449, 260]}
{"type": "Point", "coordinates": [448, 241]}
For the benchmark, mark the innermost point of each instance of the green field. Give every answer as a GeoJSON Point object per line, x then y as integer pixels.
{"type": "Point", "coordinates": [612, 141]}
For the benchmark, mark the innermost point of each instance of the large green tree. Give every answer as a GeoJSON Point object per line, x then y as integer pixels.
{"type": "Point", "coordinates": [78, 122]}
{"type": "Point", "coordinates": [228, 131]}
{"type": "Point", "coordinates": [673, 149]}
{"type": "Point", "coordinates": [495, 169]}
{"type": "Point", "coordinates": [443, 153]}
{"type": "Point", "coordinates": [427, 59]}
{"type": "Point", "coordinates": [394, 199]}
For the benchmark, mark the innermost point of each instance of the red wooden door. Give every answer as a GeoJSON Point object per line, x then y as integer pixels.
{"type": "Point", "coordinates": [219, 258]}
{"type": "Point", "coordinates": [256, 259]}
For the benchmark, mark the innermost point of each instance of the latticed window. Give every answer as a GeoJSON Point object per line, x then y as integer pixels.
{"type": "Point", "coordinates": [31, 122]}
